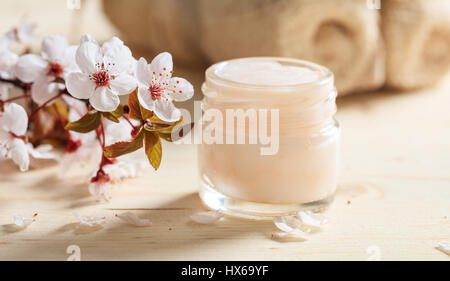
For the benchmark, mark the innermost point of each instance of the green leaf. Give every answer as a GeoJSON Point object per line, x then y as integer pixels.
{"type": "Point", "coordinates": [178, 134]}
{"type": "Point", "coordinates": [114, 115]}
{"type": "Point", "coordinates": [153, 149]}
{"type": "Point", "coordinates": [124, 147]}
{"type": "Point", "coordinates": [87, 123]}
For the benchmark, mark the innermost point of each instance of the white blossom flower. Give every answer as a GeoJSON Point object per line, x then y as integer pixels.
{"type": "Point", "coordinates": [22, 33]}
{"type": "Point", "coordinates": [158, 89]}
{"type": "Point", "coordinates": [13, 141]}
{"type": "Point", "coordinates": [104, 73]}
{"type": "Point", "coordinates": [127, 166]}
{"type": "Point", "coordinates": [57, 60]}
{"type": "Point", "coordinates": [101, 189]}
{"type": "Point", "coordinates": [13, 126]}
{"type": "Point", "coordinates": [8, 62]}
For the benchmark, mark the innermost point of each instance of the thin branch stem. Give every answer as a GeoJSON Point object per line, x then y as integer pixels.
{"type": "Point", "coordinates": [15, 98]}
{"type": "Point", "coordinates": [129, 121]}
{"type": "Point", "coordinates": [44, 105]}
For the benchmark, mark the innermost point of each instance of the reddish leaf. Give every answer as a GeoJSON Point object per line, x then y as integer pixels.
{"type": "Point", "coordinates": [124, 147]}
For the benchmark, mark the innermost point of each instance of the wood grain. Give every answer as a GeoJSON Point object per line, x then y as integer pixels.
{"type": "Point", "coordinates": [393, 199]}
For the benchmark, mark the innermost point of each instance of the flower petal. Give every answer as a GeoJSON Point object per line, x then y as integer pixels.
{"type": "Point", "coordinates": [162, 65]}
{"type": "Point", "coordinates": [68, 62]}
{"type": "Point", "coordinates": [19, 154]}
{"type": "Point", "coordinates": [104, 100]}
{"type": "Point", "coordinates": [180, 89]}
{"type": "Point", "coordinates": [30, 67]}
{"type": "Point", "coordinates": [79, 85]}
{"type": "Point", "coordinates": [311, 219]}
{"type": "Point", "coordinates": [287, 223]}
{"type": "Point", "coordinates": [87, 38]}
{"type": "Point", "coordinates": [42, 151]}
{"type": "Point", "coordinates": [145, 99]}
{"type": "Point", "coordinates": [166, 110]}
{"type": "Point", "coordinates": [5, 43]}
{"type": "Point", "coordinates": [131, 218]}
{"type": "Point", "coordinates": [14, 119]}
{"type": "Point", "coordinates": [22, 221]}
{"type": "Point", "coordinates": [206, 217]}
{"type": "Point", "coordinates": [444, 246]}
{"type": "Point", "coordinates": [117, 56]}
{"type": "Point", "coordinates": [53, 47]}
{"type": "Point", "coordinates": [86, 221]}
{"type": "Point", "coordinates": [43, 90]}
{"type": "Point", "coordinates": [87, 56]}
{"type": "Point", "coordinates": [101, 191]}
{"type": "Point", "coordinates": [123, 84]}
{"type": "Point", "coordinates": [296, 235]}
{"type": "Point", "coordinates": [25, 32]}
{"type": "Point", "coordinates": [143, 72]}
{"type": "Point", "coordinates": [8, 61]}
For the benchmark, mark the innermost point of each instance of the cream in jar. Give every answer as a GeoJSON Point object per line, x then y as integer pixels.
{"type": "Point", "coordinates": [300, 167]}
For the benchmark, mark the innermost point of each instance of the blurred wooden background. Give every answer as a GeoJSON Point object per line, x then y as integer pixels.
{"type": "Point", "coordinates": [403, 45]}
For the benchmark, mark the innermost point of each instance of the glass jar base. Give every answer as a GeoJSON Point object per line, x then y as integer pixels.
{"type": "Point", "coordinates": [258, 211]}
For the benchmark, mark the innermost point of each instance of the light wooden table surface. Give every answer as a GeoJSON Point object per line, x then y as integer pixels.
{"type": "Point", "coordinates": [395, 173]}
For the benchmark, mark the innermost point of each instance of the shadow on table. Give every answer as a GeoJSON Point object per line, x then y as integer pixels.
{"type": "Point", "coordinates": [171, 236]}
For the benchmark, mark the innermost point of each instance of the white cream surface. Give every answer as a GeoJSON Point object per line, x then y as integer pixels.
{"type": "Point", "coordinates": [266, 73]}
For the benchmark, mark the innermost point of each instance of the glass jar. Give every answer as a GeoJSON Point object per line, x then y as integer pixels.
{"type": "Point", "coordinates": [297, 167]}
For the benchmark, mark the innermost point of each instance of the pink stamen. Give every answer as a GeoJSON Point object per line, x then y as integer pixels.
{"type": "Point", "coordinates": [101, 78]}
{"type": "Point", "coordinates": [55, 70]}
{"type": "Point", "coordinates": [155, 91]}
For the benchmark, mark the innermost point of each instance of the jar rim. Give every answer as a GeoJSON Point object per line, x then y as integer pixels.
{"type": "Point", "coordinates": [325, 75]}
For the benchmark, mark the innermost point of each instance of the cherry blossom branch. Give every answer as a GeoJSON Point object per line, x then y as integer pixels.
{"type": "Point", "coordinates": [101, 175]}
{"type": "Point", "coordinates": [17, 83]}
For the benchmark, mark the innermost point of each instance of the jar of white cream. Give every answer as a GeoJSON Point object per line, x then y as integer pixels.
{"type": "Point", "coordinates": [270, 141]}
